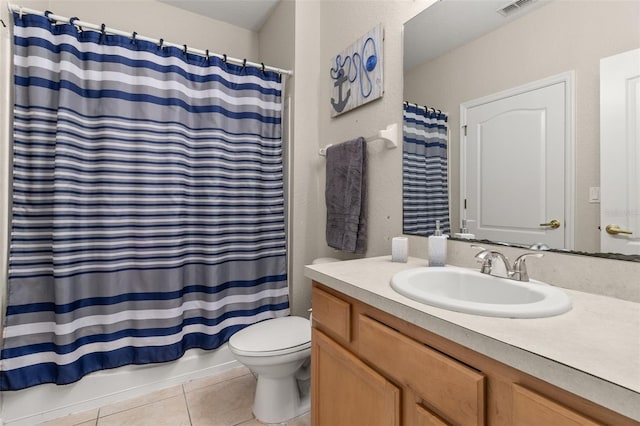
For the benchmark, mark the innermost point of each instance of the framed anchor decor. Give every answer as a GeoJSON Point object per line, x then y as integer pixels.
{"type": "Point", "coordinates": [356, 73]}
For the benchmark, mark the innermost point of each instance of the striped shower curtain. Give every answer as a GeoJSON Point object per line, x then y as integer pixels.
{"type": "Point", "coordinates": [424, 171]}
{"type": "Point", "coordinates": [148, 210]}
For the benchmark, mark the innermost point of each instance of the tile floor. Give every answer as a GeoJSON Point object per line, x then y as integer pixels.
{"type": "Point", "coordinates": [221, 400]}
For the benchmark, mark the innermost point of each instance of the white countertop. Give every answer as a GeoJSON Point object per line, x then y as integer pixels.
{"type": "Point", "coordinates": [592, 350]}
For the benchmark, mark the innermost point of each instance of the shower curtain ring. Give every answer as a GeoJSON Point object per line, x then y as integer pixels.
{"type": "Point", "coordinates": [224, 55]}
{"type": "Point", "coordinates": [244, 63]}
{"type": "Point", "coordinates": [133, 37]}
{"type": "Point", "coordinates": [160, 43]}
{"type": "Point", "coordinates": [207, 55]}
{"type": "Point", "coordinates": [184, 51]}
{"type": "Point", "coordinates": [72, 19]}
{"type": "Point", "coordinates": [46, 15]}
{"type": "Point", "coordinates": [262, 63]}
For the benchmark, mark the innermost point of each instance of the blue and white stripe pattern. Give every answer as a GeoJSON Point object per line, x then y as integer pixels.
{"type": "Point", "coordinates": [424, 171]}
{"type": "Point", "coordinates": [148, 203]}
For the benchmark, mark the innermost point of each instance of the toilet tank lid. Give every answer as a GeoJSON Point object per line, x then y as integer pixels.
{"type": "Point", "coordinates": [273, 335]}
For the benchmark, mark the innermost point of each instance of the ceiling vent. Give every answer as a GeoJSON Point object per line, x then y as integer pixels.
{"type": "Point", "coordinates": [513, 7]}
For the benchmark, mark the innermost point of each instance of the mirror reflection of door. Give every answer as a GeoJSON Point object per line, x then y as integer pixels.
{"type": "Point", "coordinates": [620, 153]}
{"type": "Point", "coordinates": [514, 159]}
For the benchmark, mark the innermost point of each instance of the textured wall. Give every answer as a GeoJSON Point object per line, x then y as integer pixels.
{"type": "Point", "coordinates": [343, 23]}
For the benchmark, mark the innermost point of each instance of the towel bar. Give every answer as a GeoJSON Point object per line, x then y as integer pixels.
{"type": "Point", "coordinates": [389, 135]}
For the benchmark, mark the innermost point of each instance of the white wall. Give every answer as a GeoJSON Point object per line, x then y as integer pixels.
{"type": "Point", "coordinates": [159, 20]}
{"type": "Point", "coordinates": [531, 48]}
{"type": "Point", "coordinates": [305, 222]}
{"type": "Point", "coordinates": [342, 23]}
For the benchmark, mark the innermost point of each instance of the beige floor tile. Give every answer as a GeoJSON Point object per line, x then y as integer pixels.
{"type": "Point", "coordinates": [74, 419]}
{"type": "Point", "coordinates": [252, 422]}
{"type": "Point", "coordinates": [223, 404]}
{"type": "Point", "coordinates": [216, 378]}
{"type": "Point", "coordinates": [128, 404]}
{"type": "Point", "coordinates": [304, 420]}
{"type": "Point", "coordinates": [168, 412]}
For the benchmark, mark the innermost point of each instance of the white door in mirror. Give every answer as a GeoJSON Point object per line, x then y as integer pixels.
{"type": "Point", "coordinates": [514, 154]}
{"type": "Point", "coordinates": [620, 153]}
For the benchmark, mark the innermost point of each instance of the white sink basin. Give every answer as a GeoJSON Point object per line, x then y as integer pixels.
{"type": "Point", "coordinates": [471, 292]}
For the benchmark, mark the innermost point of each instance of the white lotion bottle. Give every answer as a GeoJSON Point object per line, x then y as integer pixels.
{"type": "Point", "coordinates": [437, 247]}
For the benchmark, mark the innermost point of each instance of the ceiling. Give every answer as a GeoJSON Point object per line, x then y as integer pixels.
{"type": "Point", "coordinates": [429, 35]}
{"type": "Point", "coordinates": [248, 14]}
{"type": "Point", "coordinates": [472, 18]}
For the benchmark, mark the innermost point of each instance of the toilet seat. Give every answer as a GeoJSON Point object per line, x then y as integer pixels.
{"type": "Point", "coordinates": [277, 336]}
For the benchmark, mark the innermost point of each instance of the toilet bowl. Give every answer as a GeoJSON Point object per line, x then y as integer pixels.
{"type": "Point", "coordinates": [275, 350]}
{"type": "Point", "coordinates": [278, 352]}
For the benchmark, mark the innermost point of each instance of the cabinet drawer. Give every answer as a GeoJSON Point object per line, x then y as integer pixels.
{"type": "Point", "coordinates": [332, 313]}
{"type": "Point", "coordinates": [453, 390]}
{"type": "Point", "coordinates": [532, 409]}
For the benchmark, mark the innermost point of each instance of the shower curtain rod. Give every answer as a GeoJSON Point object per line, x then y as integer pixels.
{"type": "Point", "coordinates": [424, 107]}
{"type": "Point", "coordinates": [22, 10]}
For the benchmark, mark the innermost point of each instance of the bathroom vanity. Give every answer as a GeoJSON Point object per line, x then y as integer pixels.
{"type": "Point", "coordinates": [379, 358]}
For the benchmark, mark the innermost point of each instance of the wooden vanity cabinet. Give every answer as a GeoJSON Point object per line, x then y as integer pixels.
{"type": "Point", "coordinates": [371, 368]}
{"type": "Point", "coordinates": [347, 391]}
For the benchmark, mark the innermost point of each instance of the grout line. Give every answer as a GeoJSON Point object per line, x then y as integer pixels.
{"type": "Point", "coordinates": [186, 403]}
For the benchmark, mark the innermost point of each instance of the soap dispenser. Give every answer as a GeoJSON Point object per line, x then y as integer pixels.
{"type": "Point", "coordinates": [437, 247]}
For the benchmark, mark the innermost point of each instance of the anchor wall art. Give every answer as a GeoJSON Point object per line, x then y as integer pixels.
{"type": "Point", "coordinates": [356, 73]}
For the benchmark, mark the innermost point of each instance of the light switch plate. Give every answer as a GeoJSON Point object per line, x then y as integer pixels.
{"type": "Point", "coordinates": [594, 194]}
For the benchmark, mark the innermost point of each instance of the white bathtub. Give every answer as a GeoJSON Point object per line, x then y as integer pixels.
{"type": "Point", "coordinates": [45, 402]}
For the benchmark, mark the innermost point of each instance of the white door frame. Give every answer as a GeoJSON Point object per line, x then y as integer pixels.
{"type": "Point", "coordinates": [569, 149]}
{"type": "Point", "coordinates": [619, 151]}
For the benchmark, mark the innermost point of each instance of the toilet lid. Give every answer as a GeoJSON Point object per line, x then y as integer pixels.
{"type": "Point", "coordinates": [273, 335]}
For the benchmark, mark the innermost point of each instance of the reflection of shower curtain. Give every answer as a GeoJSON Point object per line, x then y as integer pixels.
{"type": "Point", "coordinates": [148, 211]}
{"type": "Point", "coordinates": [424, 169]}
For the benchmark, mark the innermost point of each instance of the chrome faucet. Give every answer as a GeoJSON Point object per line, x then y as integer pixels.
{"type": "Point", "coordinates": [516, 272]}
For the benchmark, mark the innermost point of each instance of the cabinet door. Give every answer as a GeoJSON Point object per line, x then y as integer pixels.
{"type": "Point", "coordinates": [531, 409]}
{"type": "Point", "coordinates": [452, 389]}
{"type": "Point", "coordinates": [345, 391]}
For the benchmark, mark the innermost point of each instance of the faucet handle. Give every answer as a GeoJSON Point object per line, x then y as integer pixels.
{"type": "Point", "coordinates": [520, 267]}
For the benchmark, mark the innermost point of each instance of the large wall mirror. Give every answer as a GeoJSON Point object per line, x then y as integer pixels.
{"type": "Point", "coordinates": [460, 54]}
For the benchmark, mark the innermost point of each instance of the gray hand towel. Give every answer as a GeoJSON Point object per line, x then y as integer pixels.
{"type": "Point", "coordinates": [346, 196]}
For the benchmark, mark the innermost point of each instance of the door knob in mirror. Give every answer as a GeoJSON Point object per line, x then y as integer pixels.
{"type": "Point", "coordinates": [615, 230]}
{"type": "Point", "coordinates": [554, 224]}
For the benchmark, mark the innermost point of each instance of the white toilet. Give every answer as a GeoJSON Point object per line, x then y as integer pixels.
{"type": "Point", "coordinates": [278, 352]}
